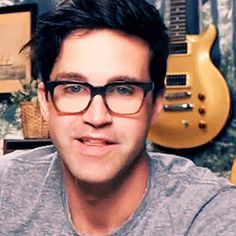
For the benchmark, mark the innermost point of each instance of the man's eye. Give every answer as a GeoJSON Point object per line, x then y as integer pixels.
{"type": "Point", "coordinates": [124, 90]}
{"type": "Point", "coordinates": [73, 89]}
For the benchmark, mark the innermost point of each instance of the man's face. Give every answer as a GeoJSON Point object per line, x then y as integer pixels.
{"type": "Point", "coordinates": [97, 145]}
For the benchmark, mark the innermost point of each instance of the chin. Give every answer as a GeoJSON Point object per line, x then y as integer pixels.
{"type": "Point", "coordinates": [98, 178]}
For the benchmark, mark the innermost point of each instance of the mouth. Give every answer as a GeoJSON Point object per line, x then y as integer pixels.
{"type": "Point", "coordinates": [95, 142]}
{"type": "Point", "coordinates": [95, 146]}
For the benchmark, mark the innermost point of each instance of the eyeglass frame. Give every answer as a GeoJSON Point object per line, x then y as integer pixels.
{"type": "Point", "coordinates": [97, 90]}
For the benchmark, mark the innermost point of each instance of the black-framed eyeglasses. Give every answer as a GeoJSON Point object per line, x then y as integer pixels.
{"type": "Point", "coordinates": [119, 97]}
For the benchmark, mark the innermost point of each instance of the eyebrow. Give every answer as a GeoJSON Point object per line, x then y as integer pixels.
{"type": "Point", "coordinates": [74, 76]}
{"type": "Point", "coordinates": [70, 76]}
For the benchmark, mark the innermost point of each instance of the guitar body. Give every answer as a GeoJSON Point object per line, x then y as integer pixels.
{"type": "Point", "coordinates": [197, 99]}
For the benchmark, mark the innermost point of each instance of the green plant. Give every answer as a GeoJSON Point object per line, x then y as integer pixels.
{"type": "Point", "coordinates": [28, 92]}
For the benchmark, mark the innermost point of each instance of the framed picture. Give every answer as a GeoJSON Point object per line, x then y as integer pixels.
{"type": "Point", "coordinates": [17, 24]}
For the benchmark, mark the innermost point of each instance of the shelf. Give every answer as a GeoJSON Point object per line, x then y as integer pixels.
{"type": "Point", "coordinates": [10, 145]}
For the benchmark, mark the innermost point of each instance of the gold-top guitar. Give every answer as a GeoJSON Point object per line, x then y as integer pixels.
{"type": "Point", "coordinates": [196, 102]}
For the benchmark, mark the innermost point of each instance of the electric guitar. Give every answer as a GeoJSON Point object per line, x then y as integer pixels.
{"type": "Point", "coordinates": [196, 103]}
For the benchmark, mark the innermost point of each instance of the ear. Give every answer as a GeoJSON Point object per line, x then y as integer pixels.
{"type": "Point", "coordinates": [157, 107]}
{"type": "Point", "coordinates": [43, 101]}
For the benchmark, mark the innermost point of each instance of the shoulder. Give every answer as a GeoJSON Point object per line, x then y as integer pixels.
{"type": "Point", "coordinates": [24, 173]}
{"type": "Point", "coordinates": [217, 216]}
{"type": "Point", "coordinates": [170, 162]}
{"type": "Point", "coordinates": [28, 180]}
{"type": "Point", "coordinates": [196, 198]}
{"type": "Point", "coordinates": [22, 163]}
{"type": "Point", "coordinates": [184, 176]}
{"type": "Point", "coordinates": [184, 170]}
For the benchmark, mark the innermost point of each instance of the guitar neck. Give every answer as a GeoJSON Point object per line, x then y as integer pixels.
{"type": "Point", "coordinates": [177, 26]}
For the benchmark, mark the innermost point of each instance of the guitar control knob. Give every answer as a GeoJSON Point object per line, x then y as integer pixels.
{"type": "Point", "coordinates": [201, 96]}
{"type": "Point", "coordinates": [185, 123]}
{"type": "Point", "coordinates": [202, 110]}
{"type": "Point", "coordinates": [202, 125]}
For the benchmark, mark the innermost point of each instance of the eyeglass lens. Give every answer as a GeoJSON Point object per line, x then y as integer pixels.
{"type": "Point", "coordinates": [119, 98]}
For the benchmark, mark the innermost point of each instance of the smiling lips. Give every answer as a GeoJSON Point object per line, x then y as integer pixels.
{"type": "Point", "coordinates": [95, 142]}
{"type": "Point", "coordinates": [95, 146]}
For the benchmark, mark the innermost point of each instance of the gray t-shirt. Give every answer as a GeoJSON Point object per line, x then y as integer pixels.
{"type": "Point", "coordinates": [181, 199]}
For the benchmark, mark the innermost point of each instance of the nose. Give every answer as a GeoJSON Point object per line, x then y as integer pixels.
{"type": "Point", "coordinates": [97, 114]}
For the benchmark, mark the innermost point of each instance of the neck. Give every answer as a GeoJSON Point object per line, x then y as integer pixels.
{"type": "Point", "coordinates": [93, 206]}
{"type": "Point", "coordinates": [177, 21]}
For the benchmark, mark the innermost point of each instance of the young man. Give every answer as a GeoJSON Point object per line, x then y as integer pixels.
{"type": "Point", "coordinates": [103, 64]}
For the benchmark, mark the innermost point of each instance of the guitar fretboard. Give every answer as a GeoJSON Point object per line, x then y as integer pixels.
{"type": "Point", "coordinates": [177, 20]}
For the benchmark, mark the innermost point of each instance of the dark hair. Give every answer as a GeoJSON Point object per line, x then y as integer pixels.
{"type": "Point", "coordinates": [133, 17]}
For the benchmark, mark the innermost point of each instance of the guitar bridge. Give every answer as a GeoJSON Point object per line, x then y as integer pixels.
{"type": "Point", "coordinates": [178, 107]}
{"type": "Point", "coordinates": [180, 95]}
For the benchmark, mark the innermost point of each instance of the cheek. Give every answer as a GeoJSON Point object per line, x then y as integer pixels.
{"type": "Point", "coordinates": [134, 130]}
{"type": "Point", "coordinates": [60, 127]}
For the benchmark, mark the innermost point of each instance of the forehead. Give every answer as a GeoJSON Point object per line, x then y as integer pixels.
{"type": "Point", "coordinates": [105, 36]}
{"type": "Point", "coordinates": [103, 54]}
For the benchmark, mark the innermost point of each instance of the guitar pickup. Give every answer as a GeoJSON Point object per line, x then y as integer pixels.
{"type": "Point", "coordinates": [178, 48]}
{"type": "Point", "coordinates": [177, 80]}
{"type": "Point", "coordinates": [172, 96]}
{"type": "Point", "coordinates": [178, 107]}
